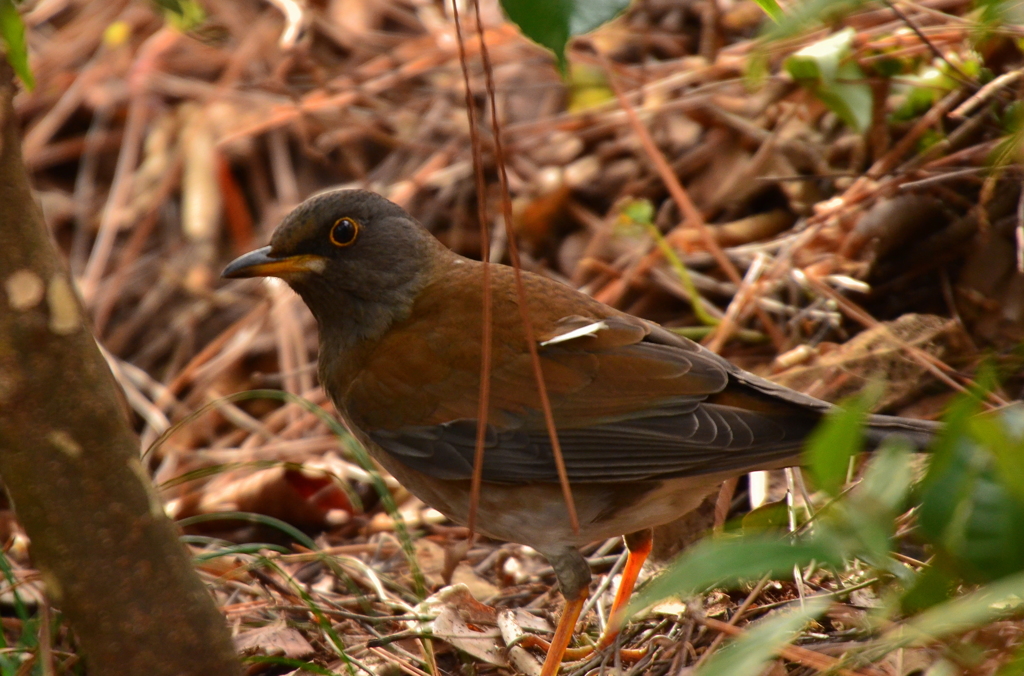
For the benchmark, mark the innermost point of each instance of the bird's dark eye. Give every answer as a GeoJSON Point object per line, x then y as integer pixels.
{"type": "Point", "coordinates": [344, 232]}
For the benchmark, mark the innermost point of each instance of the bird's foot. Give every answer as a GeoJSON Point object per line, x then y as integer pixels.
{"type": "Point", "coordinates": [627, 655]}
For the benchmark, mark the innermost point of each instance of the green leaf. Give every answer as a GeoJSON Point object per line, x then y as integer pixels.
{"type": "Point", "coordinates": [920, 91]}
{"type": "Point", "coordinates": [947, 476]}
{"type": "Point", "coordinates": [883, 491]}
{"type": "Point", "coordinates": [824, 68]}
{"type": "Point", "coordinates": [866, 520]}
{"type": "Point", "coordinates": [887, 67]}
{"type": "Point", "coordinates": [930, 587]}
{"type": "Point", "coordinates": [820, 61]}
{"type": "Point", "coordinates": [728, 560]}
{"type": "Point", "coordinates": [638, 211]}
{"type": "Point", "coordinates": [849, 96]}
{"type": "Point", "coordinates": [989, 537]}
{"type": "Point", "coordinates": [1002, 435]}
{"type": "Point", "coordinates": [552, 22]}
{"type": "Point", "coordinates": [972, 498]}
{"type": "Point", "coordinates": [839, 437]}
{"type": "Point", "coordinates": [771, 516]}
{"type": "Point", "coordinates": [295, 665]}
{"type": "Point", "coordinates": [988, 603]}
{"type": "Point", "coordinates": [749, 653]}
{"type": "Point", "coordinates": [995, 14]}
{"type": "Point", "coordinates": [12, 34]}
{"type": "Point", "coordinates": [185, 15]}
{"type": "Point", "coordinates": [803, 17]}
{"type": "Point", "coordinates": [772, 9]}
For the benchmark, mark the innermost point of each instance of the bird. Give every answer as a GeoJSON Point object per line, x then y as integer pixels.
{"type": "Point", "coordinates": [649, 423]}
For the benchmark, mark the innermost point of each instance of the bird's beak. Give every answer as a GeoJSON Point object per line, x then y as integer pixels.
{"type": "Point", "coordinates": [260, 263]}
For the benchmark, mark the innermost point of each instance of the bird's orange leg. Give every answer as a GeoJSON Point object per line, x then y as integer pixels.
{"type": "Point", "coordinates": [563, 634]}
{"type": "Point", "coordinates": [638, 547]}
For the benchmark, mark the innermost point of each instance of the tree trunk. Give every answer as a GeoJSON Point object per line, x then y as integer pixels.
{"type": "Point", "coordinates": [109, 556]}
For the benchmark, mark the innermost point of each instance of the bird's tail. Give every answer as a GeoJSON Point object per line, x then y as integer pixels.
{"type": "Point", "coordinates": [918, 432]}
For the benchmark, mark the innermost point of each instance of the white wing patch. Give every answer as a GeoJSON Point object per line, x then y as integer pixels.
{"type": "Point", "coordinates": [588, 330]}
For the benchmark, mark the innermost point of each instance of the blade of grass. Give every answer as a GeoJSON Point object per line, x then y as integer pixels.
{"type": "Point", "coordinates": [749, 653]}
{"type": "Point", "coordinates": [723, 560]}
{"type": "Point", "coordinates": [262, 519]}
{"type": "Point", "coordinates": [990, 602]}
{"type": "Point", "coordinates": [347, 441]}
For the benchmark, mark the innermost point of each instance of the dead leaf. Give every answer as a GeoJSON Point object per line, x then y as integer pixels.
{"type": "Point", "coordinates": [306, 499]}
{"type": "Point", "coordinates": [464, 623]}
{"type": "Point", "coordinates": [481, 642]}
{"type": "Point", "coordinates": [481, 589]}
{"type": "Point", "coordinates": [275, 639]}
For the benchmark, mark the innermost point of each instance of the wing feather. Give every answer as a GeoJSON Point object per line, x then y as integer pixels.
{"type": "Point", "coordinates": [630, 399]}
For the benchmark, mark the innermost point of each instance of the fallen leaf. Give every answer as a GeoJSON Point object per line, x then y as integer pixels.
{"type": "Point", "coordinates": [274, 639]}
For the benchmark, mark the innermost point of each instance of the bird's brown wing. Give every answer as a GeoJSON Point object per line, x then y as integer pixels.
{"type": "Point", "coordinates": [630, 400]}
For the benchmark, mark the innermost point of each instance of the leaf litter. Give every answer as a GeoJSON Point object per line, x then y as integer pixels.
{"type": "Point", "coordinates": [158, 155]}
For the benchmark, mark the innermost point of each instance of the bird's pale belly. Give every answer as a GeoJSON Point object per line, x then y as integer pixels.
{"type": "Point", "coordinates": [535, 514]}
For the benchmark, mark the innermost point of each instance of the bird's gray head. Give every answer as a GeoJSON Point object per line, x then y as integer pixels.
{"type": "Point", "coordinates": [357, 259]}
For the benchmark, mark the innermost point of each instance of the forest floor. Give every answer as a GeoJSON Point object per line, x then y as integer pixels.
{"type": "Point", "coordinates": [876, 238]}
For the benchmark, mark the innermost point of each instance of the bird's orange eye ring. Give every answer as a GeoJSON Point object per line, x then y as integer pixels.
{"type": "Point", "coordinates": [344, 232]}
